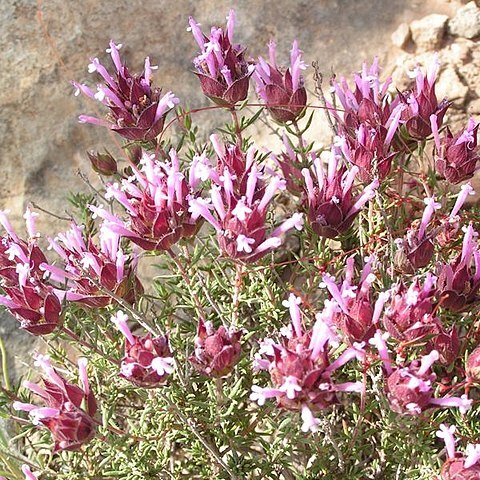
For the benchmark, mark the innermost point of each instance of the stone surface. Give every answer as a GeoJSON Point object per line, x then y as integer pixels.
{"type": "Point", "coordinates": [428, 32]}
{"type": "Point", "coordinates": [450, 86]}
{"type": "Point", "coordinates": [401, 35]}
{"type": "Point", "coordinates": [466, 22]}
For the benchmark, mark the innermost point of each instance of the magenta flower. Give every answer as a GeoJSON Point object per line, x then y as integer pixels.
{"type": "Point", "coordinates": [283, 93]}
{"type": "Point", "coordinates": [329, 200]}
{"type": "Point", "coordinates": [459, 466]}
{"type": "Point", "coordinates": [456, 156]}
{"type": "Point", "coordinates": [369, 149]}
{"type": "Point", "coordinates": [156, 200]}
{"type": "Point", "coordinates": [473, 366]}
{"type": "Point", "coordinates": [148, 360]}
{"type": "Point", "coordinates": [137, 110]}
{"type": "Point", "coordinates": [216, 351]}
{"type": "Point", "coordinates": [84, 261]}
{"type": "Point", "coordinates": [69, 409]}
{"type": "Point", "coordinates": [221, 67]}
{"type": "Point", "coordinates": [408, 315]}
{"type": "Point", "coordinates": [300, 366]}
{"type": "Point", "coordinates": [29, 296]}
{"type": "Point", "coordinates": [291, 166]}
{"type": "Point", "coordinates": [459, 281]}
{"type": "Point", "coordinates": [368, 104]}
{"type": "Point", "coordinates": [368, 124]}
{"type": "Point", "coordinates": [357, 317]}
{"type": "Point", "coordinates": [240, 202]}
{"type": "Point", "coordinates": [416, 249]}
{"type": "Point", "coordinates": [421, 103]}
{"type": "Point", "coordinates": [410, 388]}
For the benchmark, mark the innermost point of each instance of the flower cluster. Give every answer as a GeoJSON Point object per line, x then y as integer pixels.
{"type": "Point", "coordinates": [30, 297]}
{"type": "Point", "coordinates": [156, 199]}
{"type": "Point", "coordinates": [329, 200]}
{"type": "Point", "coordinates": [221, 67]}
{"type": "Point", "coordinates": [216, 351]}
{"type": "Point", "coordinates": [90, 270]}
{"type": "Point", "coordinates": [137, 110]}
{"type": "Point", "coordinates": [283, 93]}
{"type": "Point", "coordinates": [148, 360]}
{"type": "Point", "coordinates": [409, 387]}
{"type": "Point", "coordinates": [301, 367]}
{"type": "Point", "coordinates": [420, 103]}
{"type": "Point", "coordinates": [240, 197]}
{"type": "Point", "coordinates": [368, 124]}
{"type": "Point", "coordinates": [69, 409]}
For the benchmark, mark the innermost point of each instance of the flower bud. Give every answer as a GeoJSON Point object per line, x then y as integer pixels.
{"type": "Point", "coordinates": [216, 351]}
{"type": "Point", "coordinates": [473, 366]}
{"type": "Point", "coordinates": [147, 362]}
{"type": "Point", "coordinates": [103, 163]}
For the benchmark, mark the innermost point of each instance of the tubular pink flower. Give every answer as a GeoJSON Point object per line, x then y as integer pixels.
{"type": "Point", "coordinates": [82, 372]}
{"type": "Point", "coordinates": [446, 433]}
{"type": "Point", "coordinates": [463, 403]}
{"type": "Point", "coordinates": [472, 455]}
{"type": "Point", "coordinates": [310, 423]}
{"type": "Point", "coordinates": [465, 191]}
{"type": "Point", "coordinates": [120, 321]}
{"type": "Point", "coordinates": [29, 475]}
{"type": "Point", "coordinates": [378, 341]}
{"type": "Point", "coordinates": [293, 303]}
{"type": "Point", "coordinates": [431, 206]}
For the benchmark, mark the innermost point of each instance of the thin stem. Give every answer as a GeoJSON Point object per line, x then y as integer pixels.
{"type": "Point", "coordinates": [318, 78]}
{"type": "Point", "coordinates": [299, 136]}
{"type": "Point", "coordinates": [77, 339]}
{"type": "Point", "coordinates": [3, 352]}
{"type": "Point", "coordinates": [238, 130]}
{"type": "Point", "coordinates": [186, 279]}
{"type": "Point", "coordinates": [236, 292]}
{"type": "Point", "coordinates": [212, 449]}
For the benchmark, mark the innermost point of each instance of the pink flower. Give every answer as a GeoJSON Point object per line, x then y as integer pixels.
{"type": "Point", "coordinates": [410, 388]}
{"type": "Point", "coordinates": [459, 281]}
{"type": "Point", "coordinates": [238, 205]}
{"type": "Point", "coordinates": [148, 360]}
{"type": "Point", "coordinates": [29, 296]}
{"type": "Point", "coordinates": [156, 199]}
{"type": "Point", "coordinates": [84, 261]}
{"type": "Point", "coordinates": [69, 409]}
{"type": "Point", "coordinates": [416, 249]}
{"type": "Point", "coordinates": [329, 199]}
{"type": "Point", "coordinates": [283, 93]}
{"type": "Point", "coordinates": [357, 317]}
{"type": "Point", "coordinates": [300, 367]}
{"type": "Point", "coordinates": [421, 103]}
{"type": "Point", "coordinates": [137, 111]}
{"type": "Point", "coordinates": [456, 156]}
{"type": "Point", "coordinates": [221, 67]}
{"type": "Point", "coordinates": [408, 315]}
{"type": "Point", "coordinates": [217, 351]}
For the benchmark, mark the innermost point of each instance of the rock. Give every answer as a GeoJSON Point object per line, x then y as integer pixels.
{"type": "Point", "coordinates": [459, 52]}
{"type": "Point", "coordinates": [474, 107]}
{"type": "Point", "coordinates": [428, 32]}
{"type": "Point", "coordinates": [450, 86]}
{"type": "Point", "coordinates": [401, 35]}
{"type": "Point", "coordinates": [466, 22]}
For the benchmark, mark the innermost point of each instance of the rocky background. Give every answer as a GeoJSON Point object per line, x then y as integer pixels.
{"type": "Point", "coordinates": [45, 44]}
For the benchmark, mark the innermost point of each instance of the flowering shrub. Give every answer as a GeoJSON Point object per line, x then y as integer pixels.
{"type": "Point", "coordinates": [315, 312]}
